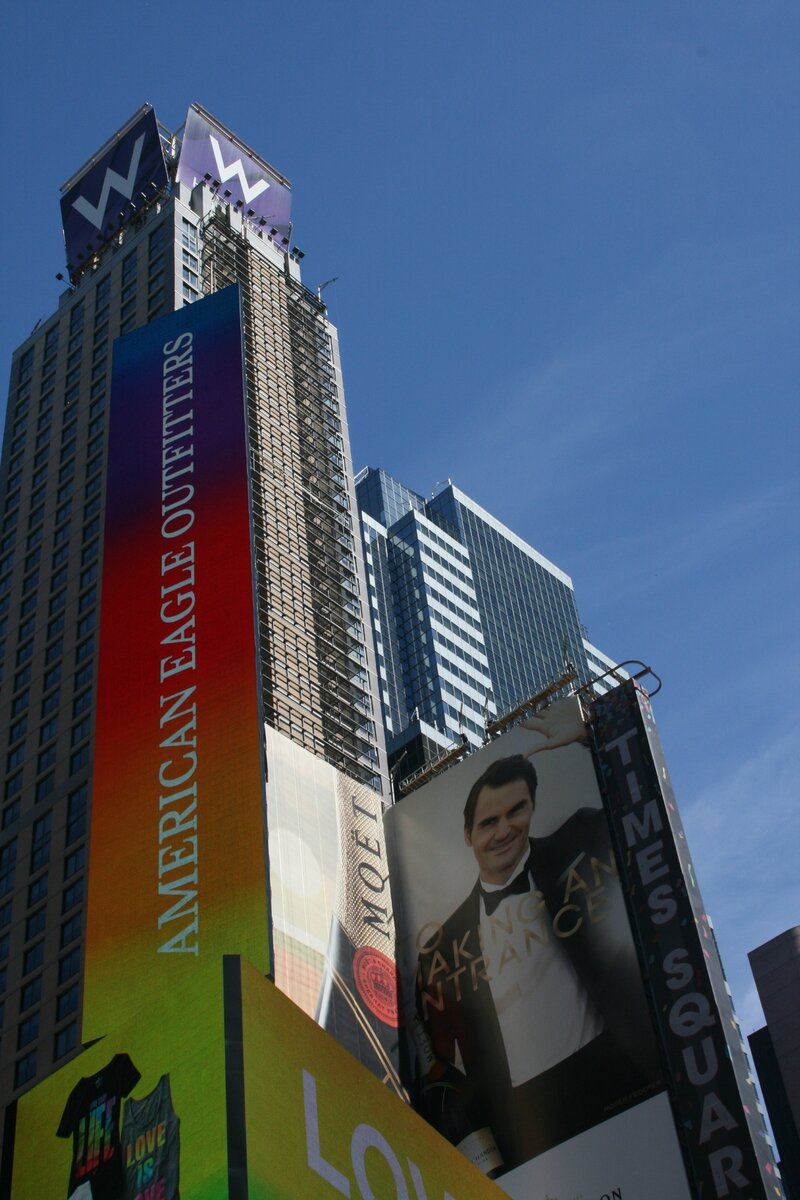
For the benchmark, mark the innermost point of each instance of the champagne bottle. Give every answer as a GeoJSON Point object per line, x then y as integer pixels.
{"type": "Point", "coordinates": [445, 1101]}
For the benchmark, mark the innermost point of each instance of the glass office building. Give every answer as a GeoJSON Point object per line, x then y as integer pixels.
{"type": "Point", "coordinates": [469, 619]}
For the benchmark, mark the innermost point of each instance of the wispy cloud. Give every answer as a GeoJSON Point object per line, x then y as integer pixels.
{"type": "Point", "coordinates": [744, 836]}
{"type": "Point", "coordinates": [676, 339]}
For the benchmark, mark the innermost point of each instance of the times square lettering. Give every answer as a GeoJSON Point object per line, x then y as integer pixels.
{"type": "Point", "coordinates": [526, 926]}
{"type": "Point", "coordinates": [363, 1138]}
{"type": "Point", "coordinates": [690, 1014]}
{"type": "Point", "coordinates": [177, 825]}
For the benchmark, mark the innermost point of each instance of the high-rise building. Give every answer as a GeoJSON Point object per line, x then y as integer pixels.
{"type": "Point", "coordinates": [776, 1046]}
{"type": "Point", "coordinates": [469, 620]}
{"type": "Point", "coordinates": [156, 221]}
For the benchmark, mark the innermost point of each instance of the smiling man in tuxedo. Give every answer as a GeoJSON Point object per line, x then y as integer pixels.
{"type": "Point", "coordinates": [532, 987]}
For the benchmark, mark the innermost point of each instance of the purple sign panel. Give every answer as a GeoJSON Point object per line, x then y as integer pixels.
{"type": "Point", "coordinates": [124, 176]}
{"type": "Point", "coordinates": [212, 155]}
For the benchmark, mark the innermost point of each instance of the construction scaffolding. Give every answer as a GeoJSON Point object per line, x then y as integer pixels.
{"type": "Point", "coordinates": [315, 683]}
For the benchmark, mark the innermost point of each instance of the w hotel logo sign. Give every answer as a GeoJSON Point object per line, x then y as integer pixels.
{"type": "Point", "coordinates": [123, 176]}
{"type": "Point", "coordinates": [212, 155]}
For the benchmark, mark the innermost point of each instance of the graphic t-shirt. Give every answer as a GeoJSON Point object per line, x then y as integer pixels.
{"type": "Point", "coordinates": [151, 1145]}
{"type": "Point", "coordinates": [91, 1116]}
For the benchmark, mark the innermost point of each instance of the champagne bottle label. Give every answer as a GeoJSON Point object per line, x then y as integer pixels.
{"type": "Point", "coordinates": [481, 1149]}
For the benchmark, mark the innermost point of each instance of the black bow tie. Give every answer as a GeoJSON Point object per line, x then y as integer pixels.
{"type": "Point", "coordinates": [519, 885]}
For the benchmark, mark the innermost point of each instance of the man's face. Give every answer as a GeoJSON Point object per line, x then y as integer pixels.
{"type": "Point", "coordinates": [499, 834]}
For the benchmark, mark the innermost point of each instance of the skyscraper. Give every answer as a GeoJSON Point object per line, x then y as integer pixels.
{"type": "Point", "coordinates": [153, 222]}
{"type": "Point", "coordinates": [469, 619]}
{"type": "Point", "coordinates": [776, 1045]}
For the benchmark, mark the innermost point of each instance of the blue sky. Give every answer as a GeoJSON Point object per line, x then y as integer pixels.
{"type": "Point", "coordinates": [567, 245]}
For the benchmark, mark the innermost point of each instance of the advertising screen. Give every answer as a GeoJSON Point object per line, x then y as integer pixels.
{"type": "Point", "coordinates": [213, 154]}
{"type": "Point", "coordinates": [177, 863]}
{"type": "Point", "coordinates": [318, 1125]}
{"type": "Point", "coordinates": [126, 174]}
{"type": "Point", "coordinates": [520, 982]}
{"type": "Point", "coordinates": [715, 1101]}
{"type": "Point", "coordinates": [140, 1115]}
{"type": "Point", "coordinates": [333, 930]}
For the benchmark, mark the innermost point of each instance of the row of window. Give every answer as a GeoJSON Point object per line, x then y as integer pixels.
{"type": "Point", "coordinates": [66, 1039]}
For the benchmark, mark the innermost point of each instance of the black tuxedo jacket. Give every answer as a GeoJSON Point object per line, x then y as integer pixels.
{"type": "Point", "coordinates": [453, 993]}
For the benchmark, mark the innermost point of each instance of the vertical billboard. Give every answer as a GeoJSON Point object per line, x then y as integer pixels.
{"type": "Point", "coordinates": [333, 928]}
{"type": "Point", "coordinates": [211, 153]}
{"type": "Point", "coordinates": [177, 866]}
{"type": "Point", "coordinates": [122, 177]}
{"type": "Point", "coordinates": [521, 985]}
{"type": "Point", "coordinates": [715, 1102]}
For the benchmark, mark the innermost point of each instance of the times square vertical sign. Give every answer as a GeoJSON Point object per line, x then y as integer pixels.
{"type": "Point", "coordinates": [713, 1097]}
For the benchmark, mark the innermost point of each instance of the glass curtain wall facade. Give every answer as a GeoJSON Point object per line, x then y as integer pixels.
{"type": "Point", "coordinates": [316, 657]}
{"type": "Point", "coordinates": [469, 619]}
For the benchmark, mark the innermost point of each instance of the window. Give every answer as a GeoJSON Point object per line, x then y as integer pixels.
{"type": "Point", "coordinates": [76, 322]}
{"type": "Point", "coordinates": [30, 583]}
{"type": "Point", "coordinates": [69, 965]}
{"type": "Point", "coordinates": [82, 703]}
{"type": "Point", "coordinates": [74, 862]}
{"type": "Point", "coordinates": [5, 914]}
{"type": "Point", "coordinates": [40, 842]}
{"type": "Point", "coordinates": [84, 676]}
{"type": "Point", "coordinates": [81, 730]}
{"type": "Point", "coordinates": [22, 678]}
{"type": "Point", "coordinates": [30, 994]}
{"type": "Point", "coordinates": [15, 757]}
{"type": "Point", "coordinates": [72, 895]}
{"type": "Point", "coordinates": [71, 929]}
{"type": "Point", "coordinates": [84, 650]}
{"type": "Point", "coordinates": [43, 789]}
{"type": "Point", "coordinates": [33, 958]}
{"type": "Point", "coordinates": [67, 1002]}
{"type": "Point", "coordinates": [37, 890]}
{"type": "Point", "coordinates": [25, 366]}
{"type": "Point", "coordinates": [10, 814]}
{"type": "Point", "coordinates": [53, 652]}
{"type": "Point", "coordinates": [46, 758]}
{"type": "Point", "coordinates": [51, 703]}
{"type": "Point", "coordinates": [52, 676]}
{"type": "Point", "coordinates": [25, 1069]}
{"type": "Point", "coordinates": [48, 730]}
{"type": "Point", "coordinates": [13, 786]}
{"type": "Point", "coordinates": [66, 1040]}
{"type": "Point", "coordinates": [8, 861]}
{"type": "Point", "coordinates": [35, 923]}
{"type": "Point", "coordinates": [79, 760]}
{"type": "Point", "coordinates": [24, 653]}
{"type": "Point", "coordinates": [76, 813]}
{"type": "Point", "coordinates": [55, 626]}
{"type": "Point", "coordinates": [28, 1031]}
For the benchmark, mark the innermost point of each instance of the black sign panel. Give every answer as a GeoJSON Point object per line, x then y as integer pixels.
{"type": "Point", "coordinates": [714, 1100]}
{"type": "Point", "coordinates": [124, 177]}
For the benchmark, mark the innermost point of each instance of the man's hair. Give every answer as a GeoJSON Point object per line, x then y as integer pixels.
{"type": "Point", "coordinates": [497, 774]}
